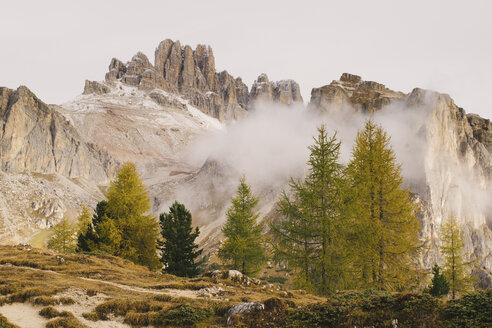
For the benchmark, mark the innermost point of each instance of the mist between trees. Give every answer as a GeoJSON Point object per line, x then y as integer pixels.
{"type": "Point", "coordinates": [349, 226]}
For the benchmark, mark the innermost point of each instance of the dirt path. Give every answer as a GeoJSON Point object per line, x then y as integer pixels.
{"type": "Point", "coordinates": [26, 315]}
{"type": "Point", "coordinates": [169, 291]}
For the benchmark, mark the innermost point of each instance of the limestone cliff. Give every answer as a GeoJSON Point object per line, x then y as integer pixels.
{"type": "Point", "coordinates": [453, 166]}
{"type": "Point", "coordinates": [47, 169]}
{"type": "Point", "coordinates": [35, 138]}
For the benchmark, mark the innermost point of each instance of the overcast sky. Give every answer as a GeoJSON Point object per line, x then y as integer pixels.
{"type": "Point", "coordinates": [53, 46]}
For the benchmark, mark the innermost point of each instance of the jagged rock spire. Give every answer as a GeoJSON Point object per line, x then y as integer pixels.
{"type": "Point", "coordinates": [191, 73]}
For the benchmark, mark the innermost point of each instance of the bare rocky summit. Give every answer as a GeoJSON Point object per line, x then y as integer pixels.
{"type": "Point", "coordinates": [351, 91]}
{"type": "Point", "coordinates": [285, 92]}
{"type": "Point", "coordinates": [191, 74]}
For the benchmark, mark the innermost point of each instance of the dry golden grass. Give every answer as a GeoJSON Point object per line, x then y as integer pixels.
{"type": "Point", "coordinates": [122, 289]}
{"type": "Point", "coordinates": [65, 323]}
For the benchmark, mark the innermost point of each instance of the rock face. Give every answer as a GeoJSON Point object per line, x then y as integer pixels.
{"type": "Point", "coordinates": [454, 166]}
{"type": "Point", "coordinates": [285, 92]}
{"type": "Point", "coordinates": [94, 87]}
{"type": "Point", "coordinates": [191, 74]}
{"type": "Point", "coordinates": [350, 90]}
{"type": "Point", "coordinates": [457, 167]}
{"type": "Point", "coordinates": [35, 138]}
{"type": "Point", "coordinates": [482, 130]}
{"type": "Point", "coordinates": [47, 169]}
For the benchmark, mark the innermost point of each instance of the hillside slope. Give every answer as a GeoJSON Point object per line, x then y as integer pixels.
{"type": "Point", "coordinates": [41, 289]}
{"type": "Point", "coordinates": [105, 291]}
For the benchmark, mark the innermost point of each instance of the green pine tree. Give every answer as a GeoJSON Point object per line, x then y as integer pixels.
{"type": "Point", "coordinates": [439, 286]}
{"type": "Point", "coordinates": [456, 269]}
{"type": "Point", "coordinates": [64, 237]}
{"type": "Point", "coordinates": [179, 251]}
{"type": "Point", "coordinates": [311, 236]}
{"type": "Point", "coordinates": [101, 234]}
{"type": "Point", "coordinates": [243, 247]}
{"type": "Point", "coordinates": [295, 237]}
{"type": "Point", "coordinates": [386, 237]}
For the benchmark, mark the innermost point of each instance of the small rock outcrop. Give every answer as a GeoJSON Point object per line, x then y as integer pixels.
{"type": "Point", "coordinates": [285, 92]}
{"type": "Point", "coordinates": [243, 308]}
{"type": "Point", "coordinates": [94, 87]}
{"type": "Point", "coordinates": [36, 138]}
{"type": "Point", "coordinates": [232, 275]}
{"type": "Point", "coordinates": [351, 91]}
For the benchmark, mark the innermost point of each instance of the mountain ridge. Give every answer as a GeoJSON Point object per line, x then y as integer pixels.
{"type": "Point", "coordinates": [151, 114]}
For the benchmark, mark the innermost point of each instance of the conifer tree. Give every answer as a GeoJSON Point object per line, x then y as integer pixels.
{"type": "Point", "coordinates": [455, 268]}
{"type": "Point", "coordinates": [387, 228]}
{"type": "Point", "coordinates": [128, 202]}
{"type": "Point", "coordinates": [101, 234]}
{"type": "Point", "coordinates": [311, 234]}
{"type": "Point", "coordinates": [120, 225]}
{"type": "Point", "coordinates": [84, 220]}
{"type": "Point", "coordinates": [63, 239]}
{"type": "Point", "coordinates": [439, 285]}
{"type": "Point", "coordinates": [243, 247]}
{"type": "Point", "coordinates": [295, 237]}
{"type": "Point", "coordinates": [179, 251]}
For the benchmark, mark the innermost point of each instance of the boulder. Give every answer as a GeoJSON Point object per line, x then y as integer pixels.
{"type": "Point", "coordinates": [232, 275]}
{"type": "Point", "coordinates": [243, 308]}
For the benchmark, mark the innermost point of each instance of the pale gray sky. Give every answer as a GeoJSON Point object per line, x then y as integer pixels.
{"type": "Point", "coordinates": [53, 46]}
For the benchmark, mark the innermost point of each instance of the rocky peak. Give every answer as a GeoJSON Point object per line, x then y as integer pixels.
{"type": "Point", "coordinates": [116, 70]}
{"type": "Point", "coordinates": [351, 91]}
{"type": "Point", "coordinates": [191, 74]}
{"type": "Point", "coordinates": [262, 78]}
{"type": "Point", "coordinates": [350, 78]}
{"type": "Point", "coordinates": [286, 92]}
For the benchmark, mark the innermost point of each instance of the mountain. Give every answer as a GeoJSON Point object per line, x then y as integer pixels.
{"type": "Point", "coordinates": [56, 157]}
{"type": "Point", "coordinates": [450, 157]}
{"type": "Point", "coordinates": [191, 74]}
{"type": "Point", "coordinates": [47, 168]}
